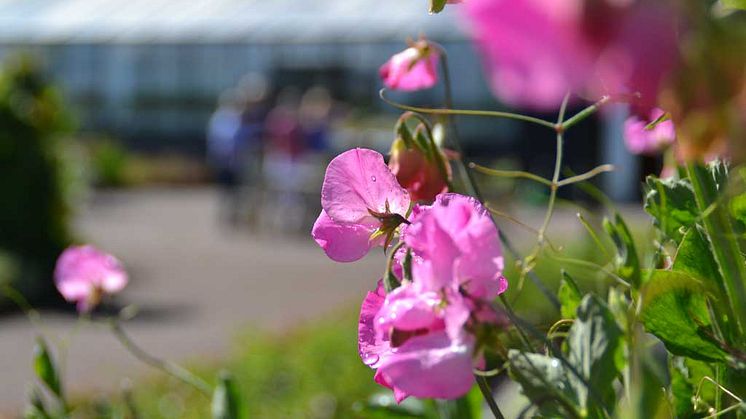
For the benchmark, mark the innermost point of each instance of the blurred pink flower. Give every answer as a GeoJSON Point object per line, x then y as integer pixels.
{"type": "Point", "coordinates": [85, 274]}
{"type": "Point", "coordinates": [536, 51]}
{"type": "Point", "coordinates": [640, 140]}
{"type": "Point", "coordinates": [415, 68]}
{"type": "Point", "coordinates": [362, 203]}
{"type": "Point", "coordinates": [458, 245]}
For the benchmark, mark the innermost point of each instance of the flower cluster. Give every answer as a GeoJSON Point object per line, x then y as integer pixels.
{"type": "Point", "coordinates": [424, 336]}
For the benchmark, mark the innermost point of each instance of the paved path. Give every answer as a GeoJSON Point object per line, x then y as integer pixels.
{"type": "Point", "coordinates": [198, 285]}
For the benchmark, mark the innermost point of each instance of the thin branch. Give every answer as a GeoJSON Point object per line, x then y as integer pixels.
{"type": "Point", "coordinates": [484, 387]}
{"type": "Point", "coordinates": [587, 175]}
{"type": "Point", "coordinates": [467, 112]}
{"type": "Point", "coordinates": [167, 367]}
{"type": "Point", "coordinates": [510, 174]}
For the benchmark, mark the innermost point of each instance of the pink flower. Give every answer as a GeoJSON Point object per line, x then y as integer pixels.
{"type": "Point", "coordinates": [85, 274]}
{"type": "Point", "coordinates": [362, 205]}
{"type": "Point", "coordinates": [415, 68]}
{"type": "Point", "coordinates": [458, 245]}
{"type": "Point", "coordinates": [417, 343]}
{"type": "Point", "coordinates": [640, 140]}
{"type": "Point", "coordinates": [536, 51]}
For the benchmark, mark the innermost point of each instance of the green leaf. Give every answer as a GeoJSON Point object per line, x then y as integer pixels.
{"type": "Point", "coordinates": [686, 375]}
{"type": "Point", "coordinates": [466, 407]}
{"type": "Point", "coordinates": [404, 134]}
{"type": "Point", "coordinates": [45, 368]}
{"type": "Point", "coordinates": [436, 6]}
{"type": "Point", "coordinates": [663, 118]}
{"type": "Point", "coordinates": [734, 4]}
{"type": "Point", "coordinates": [595, 351]}
{"type": "Point", "coordinates": [626, 261]}
{"type": "Point", "coordinates": [544, 379]}
{"type": "Point", "coordinates": [671, 204]}
{"type": "Point", "coordinates": [568, 295]}
{"type": "Point", "coordinates": [618, 305]}
{"type": "Point", "coordinates": [225, 399]}
{"type": "Point", "coordinates": [35, 408]}
{"type": "Point", "coordinates": [694, 257]}
{"type": "Point", "coordinates": [674, 309]}
{"type": "Point", "coordinates": [738, 207]}
{"type": "Point", "coordinates": [383, 405]}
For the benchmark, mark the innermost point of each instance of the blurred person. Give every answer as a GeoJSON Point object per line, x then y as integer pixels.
{"type": "Point", "coordinates": [254, 92]}
{"type": "Point", "coordinates": [283, 172]}
{"type": "Point", "coordinates": [223, 151]}
{"type": "Point", "coordinates": [315, 117]}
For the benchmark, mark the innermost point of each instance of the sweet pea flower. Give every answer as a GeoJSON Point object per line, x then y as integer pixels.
{"type": "Point", "coordinates": [417, 343]}
{"type": "Point", "coordinates": [536, 51]}
{"type": "Point", "coordinates": [415, 68]}
{"type": "Point", "coordinates": [362, 205]}
{"type": "Point", "coordinates": [418, 172]}
{"type": "Point", "coordinates": [640, 139]}
{"type": "Point", "coordinates": [459, 247]}
{"type": "Point", "coordinates": [84, 274]}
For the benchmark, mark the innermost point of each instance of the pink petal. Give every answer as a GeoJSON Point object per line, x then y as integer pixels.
{"type": "Point", "coordinates": [533, 49]}
{"type": "Point", "coordinates": [406, 308]}
{"type": "Point", "coordinates": [459, 244]}
{"type": "Point", "coordinates": [342, 242]}
{"type": "Point", "coordinates": [431, 366]}
{"type": "Point", "coordinates": [648, 142]}
{"type": "Point", "coordinates": [357, 181]}
{"type": "Point", "coordinates": [371, 348]}
{"type": "Point", "coordinates": [408, 71]}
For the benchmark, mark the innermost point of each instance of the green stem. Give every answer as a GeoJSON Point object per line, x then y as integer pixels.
{"type": "Point", "coordinates": [725, 249]}
{"type": "Point", "coordinates": [555, 177]}
{"type": "Point", "coordinates": [467, 112]}
{"type": "Point", "coordinates": [484, 387]}
{"type": "Point", "coordinates": [510, 174]}
{"type": "Point", "coordinates": [471, 183]}
{"type": "Point", "coordinates": [585, 176]}
{"type": "Point", "coordinates": [582, 115]}
{"type": "Point", "coordinates": [169, 368]}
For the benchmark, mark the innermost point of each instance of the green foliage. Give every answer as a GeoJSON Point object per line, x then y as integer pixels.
{"type": "Point", "coordinates": [627, 262]}
{"type": "Point", "coordinates": [568, 295]}
{"type": "Point", "coordinates": [226, 399]}
{"type": "Point", "coordinates": [594, 346]}
{"type": "Point", "coordinates": [686, 377]}
{"type": "Point", "coordinates": [674, 309]}
{"type": "Point", "coordinates": [436, 6]}
{"type": "Point", "coordinates": [45, 368]}
{"type": "Point", "coordinates": [34, 217]}
{"type": "Point", "coordinates": [311, 371]}
{"type": "Point", "coordinates": [581, 384]}
{"type": "Point", "coordinates": [671, 204]}
{"type": "Point", "coordinates": [109, 161]}
{"type": "Point", "coordinates": [734, 4]}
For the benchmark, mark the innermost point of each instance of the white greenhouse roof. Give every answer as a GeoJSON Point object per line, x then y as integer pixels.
{"type": "Point", "coordinates": [256, 21]}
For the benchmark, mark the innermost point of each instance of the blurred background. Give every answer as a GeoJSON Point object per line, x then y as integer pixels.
{"type": "Point", "coordinates": [189, 138]}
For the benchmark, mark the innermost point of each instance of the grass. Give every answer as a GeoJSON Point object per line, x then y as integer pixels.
{"type": "Point", "coordinates": [311, 372]}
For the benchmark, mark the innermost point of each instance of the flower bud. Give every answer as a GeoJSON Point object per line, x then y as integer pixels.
{"type": "Point", "coordinates": [418, 171]}
{"type": "Point", "coordinates": [415, 68]}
